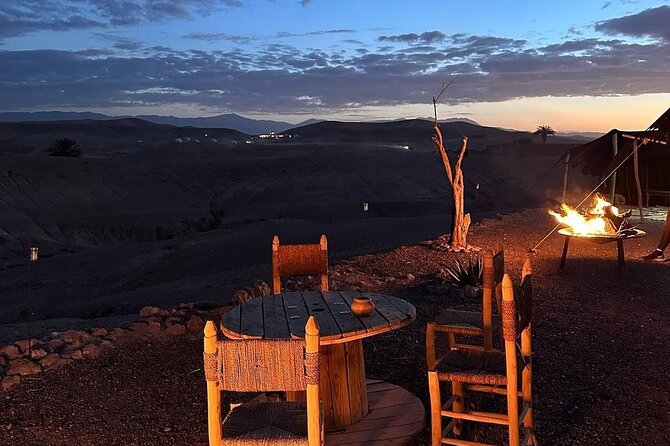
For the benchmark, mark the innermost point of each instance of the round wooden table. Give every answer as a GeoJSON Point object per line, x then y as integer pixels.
{"type": "Point", "coordinates": [283, 316]}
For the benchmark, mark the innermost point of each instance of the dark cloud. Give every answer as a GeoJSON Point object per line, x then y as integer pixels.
{"type": "Point", "coordinates": [217, 37]}
{"type": "Point", "coordinates": [304, 2]}
{"type": "Point", "coordinates": [282, 78]}
{"type": "Point", "coordinates": [427, 37]}
{"type": "Point", "coordinates": [653, 22]}
{"type": "Point", "coordinates": [28, 16]}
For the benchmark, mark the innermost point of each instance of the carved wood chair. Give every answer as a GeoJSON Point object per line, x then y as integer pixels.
{"type": "Point", "coordinates": [473, 323]}
{"type": "Point", "coordinates": [260, 365]}
{"type": "Point", "coordinates": [490, 371]}
{"type": "Point", "coordinates": [299, 259]}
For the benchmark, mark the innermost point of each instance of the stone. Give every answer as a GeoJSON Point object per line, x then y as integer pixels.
{"type": "Point", "coordinates": [91, 350]}
{"type": "Point", "coordinates": [195, 324]}
{"type": "Point", "coordinates": [176, 330]}
{"type": "Point", "coordinates": [23, 367]}
{"type": "Point", "coordinates": [149, 311]}
{"type": "Point", "coordinates": [10, 352]}
{"type": "Point", "coordinates": [144, 328]}
{"type": "Point", "coordinates": [410, 277]}
{"type": "Point", "coordinates": [56, 344]}
{"type": "Point", "coordinates": [106, 344]}
{"type": "Point", "coordinates": [3, 361]}
{"type": "Point", "coordinates": [72, 337]}
{"type": "Point", "coordinates": [9, 382]}
{"type": "Point", "coordinates": [173, 320]}
{"type": "Point", "coordinates": [36, 353]}
{"type": "Point", "coordinates": [23, 344]}
{"type": "Point", "coordinates": [72, 354]}
{"type": "Point", "coordinates": [163, 313]}
{"type": "Point", "coordinates": [54, 361]}
{"type": "Point", "coordinates": [115, 334]}
{"type": "Point", "coordinates": [99, 332]}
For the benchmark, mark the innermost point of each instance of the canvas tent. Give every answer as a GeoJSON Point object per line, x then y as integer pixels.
{"type": "Point", "coordinates": [613, 156]}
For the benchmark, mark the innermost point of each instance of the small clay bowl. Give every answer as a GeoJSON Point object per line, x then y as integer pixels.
{"type": "Point", "coordinates": [362, 306]}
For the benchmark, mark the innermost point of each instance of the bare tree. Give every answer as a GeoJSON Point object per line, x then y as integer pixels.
{"type": "Point", "coordinates": [460, 222]}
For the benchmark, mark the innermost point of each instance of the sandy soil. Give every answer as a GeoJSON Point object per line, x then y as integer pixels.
{"type": "Point", "coordinates": [599, 340]}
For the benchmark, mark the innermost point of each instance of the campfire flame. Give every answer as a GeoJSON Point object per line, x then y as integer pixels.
{"type": "Point", "coordinates": [593, 221]}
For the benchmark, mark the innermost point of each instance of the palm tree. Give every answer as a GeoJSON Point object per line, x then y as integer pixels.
{"type": "Point", "coordinates": [544, 131]}
{"type": "Point", "coordinates": [64, 147]}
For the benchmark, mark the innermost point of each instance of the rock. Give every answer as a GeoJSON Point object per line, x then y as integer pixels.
{"type": "Point", "coordinates": [115, 334]}
{"type": "Point", "coordinates": [456, 293]}
{"type": "Point", "coordinates": [3, 361]}
{"type": "Point", "coordinates": [36, 353]}
{"type": "Point", "coordinates": [163, 313]}
{"type": "Point", "coordinates": [10, 352]}
{"type": "Point", "coordinates": [410, 277]}
{"type": "Point", "coordinates": [54, 361]}
{"type": "Point", "coordinates": [9, 382]}
{"type": "Point", "coordinates": [91, 350]}
{"type": "Point", "coordinates": [56, 344]}
{"type": "Point", "coordinates": [23, 344]}
{"type": "Point", "coordinates": [99, 332]}
{"type": "Point", "coordinates": [72, 354]}
{"type": "Point", "coordinates": [176, 330]}
{"type": "Point", "coordinates": [72, 337]}
{"type": "Point", "coordinates": [23, 367]}
{"type": "Point", "coordinates": [145, 329]}
{"type": "Point", "coordinates": [173, 320]}
{"type": "Point", "coordinates": [195, 324]}
{"type": "Point", "coordinates": [149, 311]}
{"type": "Point", "coordinates": [106, 345]}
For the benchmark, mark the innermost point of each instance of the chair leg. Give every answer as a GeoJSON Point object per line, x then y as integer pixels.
{"type": "Point", "coordinates": [435, 409]}
{"type": "Point", "coordinates": [459, 404]}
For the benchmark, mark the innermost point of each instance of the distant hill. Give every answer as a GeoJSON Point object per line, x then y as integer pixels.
{"type": "Point", "coordinates": [227, 121]}
{"type": "Point", "coordinates": [415, 133]}
{"type": "Point", "coordinates": [107, 136]}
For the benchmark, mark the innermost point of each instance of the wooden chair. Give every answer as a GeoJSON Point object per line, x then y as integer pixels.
{"type": "Point", "coordinates": [490, 371]}
{"type": "Point", "coordinates": [260, 365]}
{"type": "Point", "coordinates": [299, 259]}
{"type": "Point", "coordinates": [472, 323]}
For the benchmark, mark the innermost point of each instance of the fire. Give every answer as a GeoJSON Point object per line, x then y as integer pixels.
{"type": "Point", "coordinates": [593, 221]}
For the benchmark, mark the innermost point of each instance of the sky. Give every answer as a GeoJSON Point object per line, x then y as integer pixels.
{"type": "Point", "coordinates": [577, 65]}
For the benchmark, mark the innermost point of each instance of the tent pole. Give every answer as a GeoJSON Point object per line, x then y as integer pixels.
{"type": "Point", "coordinates": [615, 151]}
{"type": "Point", "coordinates": [565, 177]}
{"type": "Point", "coordinates": [636, 169]}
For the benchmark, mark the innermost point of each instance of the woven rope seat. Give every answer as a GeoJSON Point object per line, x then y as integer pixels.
{"type": "Point", "coordinates": [467, 323]}
{"type": "Point", "coordinates": [473, 367]}
{"type": "Point", "coordinates": [271, 423]}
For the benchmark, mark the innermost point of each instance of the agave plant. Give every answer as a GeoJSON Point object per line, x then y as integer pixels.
{"type": "Point", "coordinates": [461, 274]}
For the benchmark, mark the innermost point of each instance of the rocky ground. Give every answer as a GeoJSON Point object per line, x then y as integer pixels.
{"type": "Point", "coordinates": [599, 340]}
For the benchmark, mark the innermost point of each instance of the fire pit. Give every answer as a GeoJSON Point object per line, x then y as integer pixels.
{"type": "Point", "coordinates": [601, 239]}
{"type": "Point", "coordinates": [600, 223]}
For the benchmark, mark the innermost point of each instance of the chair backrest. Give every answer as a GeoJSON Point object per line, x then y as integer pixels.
{"type": "Point", "coordinates": [260, 365]}
{"type": "Point", "coordinates": [494, 269]}
{"type": "Point", "coordinates": [517, 313]}
{"type": "Point", "coordinates": [299, 259]}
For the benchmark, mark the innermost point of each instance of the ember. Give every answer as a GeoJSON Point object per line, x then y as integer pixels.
{"type": "Point", "coordinates": [601, 218]}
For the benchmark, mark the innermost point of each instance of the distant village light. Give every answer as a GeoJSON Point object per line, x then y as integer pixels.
{"type": "Point", "coordinates": [365, 206]}
{"type": "Point", "coordinates": [33, 253]}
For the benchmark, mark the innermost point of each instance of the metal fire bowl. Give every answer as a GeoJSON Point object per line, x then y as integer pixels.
{"type": "Point", "coordinates": [604, 238]}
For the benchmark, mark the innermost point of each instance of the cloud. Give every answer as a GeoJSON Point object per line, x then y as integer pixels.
{"type": "Point", "coordinates": [281, 78]}
{"type": "Point", "coordinates": [304, 2]}
{"type": "Point", "coordinates": [217, 37]}
{"type": "Point", "coordinates": [19, 18]}
{"type": "Point", "coordinates": [426, 37]}
{"type": "Point", "coordinates": [606, 5]}
{"type": "Point", "coordinates": [653, 22]}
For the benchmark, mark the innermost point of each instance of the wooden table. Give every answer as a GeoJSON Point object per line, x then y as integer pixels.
{"type": "Point", "coordinates": [283, 316]}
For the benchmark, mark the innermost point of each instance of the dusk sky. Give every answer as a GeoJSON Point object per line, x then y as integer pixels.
{"type": "Point", "coordinates": [574, 64]}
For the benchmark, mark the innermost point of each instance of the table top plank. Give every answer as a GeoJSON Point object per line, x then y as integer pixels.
{"type": "Point", "coordinates": [374, 321]}
{"type": "Point", "coordinates": [402, 305]}
{"type": "Point", "coordinates": [275, 322]}
{"type": "Point", "coordinates": [349, 323]}
{"type": "Point", "coordinates": [296, 313]}
{"type": "Point", "coordinates": [317, 306]}
{"type": "Point", "coordinates": [251, 320]}
{"type": "Point", "coordinates": [386, 308]}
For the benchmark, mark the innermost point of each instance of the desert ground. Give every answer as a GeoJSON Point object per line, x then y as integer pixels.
{"type": "Point", "coordinates": [137, 224]}
{"type": "Point", "coordinates": [599, 341]}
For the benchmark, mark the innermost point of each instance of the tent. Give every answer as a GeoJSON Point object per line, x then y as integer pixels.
{"type": "Point", "coordinates": [637, 177]}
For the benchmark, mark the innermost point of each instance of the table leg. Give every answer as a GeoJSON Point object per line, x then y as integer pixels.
{"type": "Point", "coordinates": [622, 261]}
{"type": "Point", "coordinates": [343, 390]}
{"type": "Point", "coordinates": [565, 251]}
